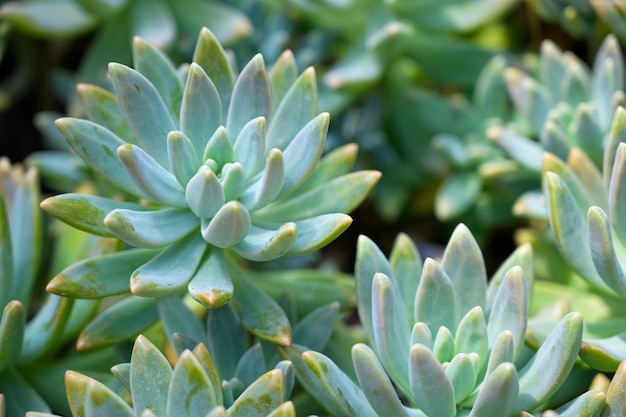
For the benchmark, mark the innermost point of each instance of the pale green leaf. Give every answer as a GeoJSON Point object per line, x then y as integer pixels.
{"type": "Point", "coordinates": [211, 285]}
{"type": "Point", "coordinates": [435, 291]}
{"type": "Point", "coordinates": [204, 193]}
{"type": "Point", "coordinates": [150, 375]}
{"type": "Point", "coordinates": [230, 225]}
{"type": "Point", "coordinates": [182, 156]}
{"type": "Point", "coordinates": [190, 391]}
{"type": "Point", "coordinates": [498, 393]}
{"type": "Point", "coordinates": [11, 333]}
{"type": "Point", "coordinates": [432, 390]}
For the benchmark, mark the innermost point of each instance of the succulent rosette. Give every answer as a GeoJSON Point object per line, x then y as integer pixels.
{"type": "Point", "coordinates": [217, 167]}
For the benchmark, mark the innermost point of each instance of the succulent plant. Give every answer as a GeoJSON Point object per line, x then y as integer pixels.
{"type": "Point", "coordinates": [193, 388]}
{"type": "Point", "coordinates": [462, 359]}
{"type": "Point", "coordinates": [228, 168]}
{"type": "Point", "coordinates": [35, 327]}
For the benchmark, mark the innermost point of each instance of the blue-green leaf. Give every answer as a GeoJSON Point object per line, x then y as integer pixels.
{"type": "Point", "coordinates": [265, 245]}
{"type": "Point", "coordinates": [101, 401]}
{"type": "Point", "coordinates": [375, 383]}
{"type": "Point", "coordinates": [251, 97]}
{"type": "Point", "coordinates": [151, 229]}
{"type": "Point", "coordinates": [204, 193]}
{"type": "Point", "coordinates": [170, 270]}
{"type": "Point", "coordinates": [261, 397]}
{"type": "Point", "coordinates": [101, 107]}
{"type": "Point", "coordinates": [57, 19]}
{"type": "Point", "coordinates": [265, 189]}
{"type": "Point", "coordinates": [201, 109]}
{"type": "Point", "coordinates": [510, 310]}
{"type": "Point", "coordinates": [472, 335]}
{"type": "Point", "coordinates": [97, 146]}
{"type": "Point", "coordinates": [178, 318]}
{"type": "Point", "coordinates": [153, 21]}
{"type": "Point", "coordinates": [282, 75]}
{"type": "Point", "coordinates": [304, 151]}
{"type": "Point", "coordinates": [432, 390]}
{"type": "Point", "coordinates": [297, 107]}
{"type": "Point", "coordinates": [145, 111]}
{"type": "Point", "coordinates": [617, 193]}
{"type": "Point", "coordinates": [233, 180]}
{"type": "Point", "coordinates": [463, 262]}
{"type": "Point", "coordinates": [11, 333]}
{"type": "Point", "coordinates": [183, 158]}
{"type": "Point", "coordinates": [226, 339]}
{"type": "Point", "coordinates": [156, 66]}
{"type": "Point", "coordinates": [391, 330]}
{"type": "Point", "coordinates": [101, 276]}
{"type": "Point", "coordinates": [211, 285]}
{"type": "Point", "coordinates": [435, 291]}
{"type": "Point", "coordinates": [190, 392]}
{"type": "Point", "coordinates": [462, 375]}
{"type": "Point", "coordinates": [317, 232]}
{"type": "Point", "coordinates": [501, 351]}
{"type": "Point", "coordinates": [219, 148]}
{"type": "Point", "coordinates": [150, 177]}
{"type": "Point", "coordinates": [230, 225]}
{"type": "Point", "coordinates": [259, 313]}
{"type": "Point", "coordinates": [315, 329]}
{"type": "Point", "coordinates": [150, 375]}
{"type": "Point", "coordinates": [603, 254]}
{"type": "Point", "coordinates": [249, 147]}
{"type": "Point", "coordinates": [551, 365]}
{"type": "Point", "coordinates": [498, 393]}
{"type": "Point", "coordinates": [85, 212]}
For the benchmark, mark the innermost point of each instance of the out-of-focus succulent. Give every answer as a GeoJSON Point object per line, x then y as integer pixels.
{"type": "Point", "coordinates": [35, 327]}
{"type": "Point", "coordinates": [228, 168]}
{"type": "Point", "coordinates": [192, 388]}
{"type": "Point", "coordinates": [161, 22]}
{"type": "Point", "coordinates": [565, 106]}
{"type": "Point", "coordinates": [450, 342]}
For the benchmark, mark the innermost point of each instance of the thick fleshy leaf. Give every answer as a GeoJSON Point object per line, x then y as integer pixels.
{"type": "Point", "coordinates": [201, 109]}
{"type": "Point", "coordinates": [46, 327]}
{"type": "Point", "coordinates": [259, 313]}
{"type": "Point", "coordinates": [151, 229]}
{"type": "Point", "coordinates": [251, 97]}
{"type": "Point", "coordinates": [432, 390]}
{"type": "Point", "coordinates": [391, 330]}
{"type": "Point", "coordinates": [406, 263]}
{"type": "Point", "coordinates": [178, 318]}
{"type": "Point", "coordinates": [569, 177]}
{"type": "Point", "coordinates": [251, 365]}
{"type": "Point", "coordinates": [522, 257]}
{"type": "Point", "coordinates": [472, 336]}
{"type": "Point", "coordinates": [210, 55]}
{"type": "Point", "coordinates": [588, 404]}
{"type": "Point", "coordinates": [101, 401]}
{"type": "Point", "coordinates": [233, 180]}
{"type": "Point", "coordinates": [150, 375]}
{"type": "Point", "coordinates": [617, 135]}
{"type": "Point", "coordinates": [170, 270]}
{"type": "Point", "coordinates": [369, 261]}
{"type": "Point", "coordinates": [569, 229]}
{"type": "Point", "coordinates": [11, 333]}
{"type": "Point", "coordinates": [463, 262]}
{"type": "Point", "coordinates": [190, 391]}
{"type": "Point", "coordinates": [510, 310]}
{"type": "Point", "coordinates": [607, 77]}
{"type": "Point", "coordinates": [327, 383]}
{"type": "Point", "coordinates": [150, 177]}
{"type": "Point", "coordinates": [588, 134]}
{"type": "Point", "coordinates": [434, 291]}
{"type": "Point", "coordinates": [204, 193]}
{"type": "Point", "coordinates": [156, 66]}
{"type": "Point", "coordinates": [6, 257]}
{"type": "Point", "coordinates": [101, 276]}
{"type": "Point", "coordinates": [97, 146]}
{"type": "Point", "coordinates": [153, 21]}
{"type": "Point", "coordinates": [317, 232]}
{"type": "Point", "coordinates": [183, 158]}
{"type": "Point", "coordinates": [265, 245]}
{"type": "Point", "coordinates": [230, 225]}
{"type": "Point", "coordinates": [315, 329]}
{"type": "Point", "coordinates": [462, 374]}
{"type": "Point", "coordinates": [604, 354]}
{"type": "Point", "coordinates": [249, 147]}
{"type": "Point", "coordinates": [211, 285]}
{"type": "Point", "coordinates": [202, 354]}
{"type": "Point", "coordinates": [338, 195]}
{"type": "Point", "coordinates": [530, 97]}
{"type": "Point", "coordinates": [615, 396]}
{"type": "Point", "coordinates": [375, 383]}
{"type": "Point", "coordinates": [501, 351]}
{"type": "Point", "coordinates": [298, 106]}
{"type": "Point", "coordinates": [498, 393]}
{"type": "Point", "coordinates": [421, 334]}
{"type": "Point", "coordinates": [101, 107]}
{"type": "Point", "coordinates": [264, 395]}
{"type": "Point", "coordinates": [304, 151]}
{"type": "Point", "coordinates": [263, 191]}
{"type": "Point", "coordinates": [443, 346]}
{"type": "Point", "coordinates": [603, 253]}
{"type": "Point", "coordinates": [120, 322]}
{"type": "Point", "coordinates": [85, 212]}
{"type": "Point", "coordinates": [219, 148]}
{"type": "Point", "coordinates": [226, 339]}
{"type": "Point", "coordinates": [282, 75]}
{"type": "Point", "coordinates": [546, 372]}
{"type": "Point", "coordinates": [145, 111]}
{"type": "Point", "coordinates": [617, 193]}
